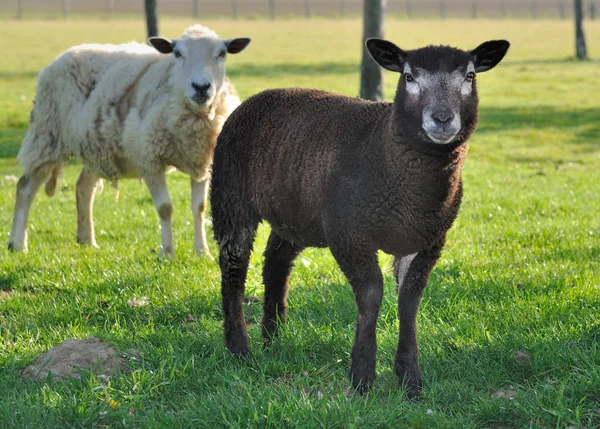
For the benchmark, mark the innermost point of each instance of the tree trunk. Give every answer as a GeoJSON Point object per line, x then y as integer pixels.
{"type": "Point", "coordinates": [151, 18]}
{"type": "Point", "coordinates": [371, 75]}
{"type": "Point", "coordinates": [580, 49]}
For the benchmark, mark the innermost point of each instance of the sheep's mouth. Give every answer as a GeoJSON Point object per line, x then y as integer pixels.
{"type": "Point", "coordinates": [441, 137]}
{"type": "Point", "coordinates": [200, 101]}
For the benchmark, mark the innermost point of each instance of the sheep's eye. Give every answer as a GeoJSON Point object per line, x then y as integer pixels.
{"type": "Point", "coordinates": [222, 54]}
{"type": "Point", "coordinates": [177, 54]}
{"type": "Point", "coordinates": [470, 76]}
{"type": "Point", "coordinates": [409, 77]}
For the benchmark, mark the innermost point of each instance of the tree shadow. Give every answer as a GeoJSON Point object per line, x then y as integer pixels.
{"type": "Point", "coordinates": [15, 75]}
{"type": "Point", "coordinates": [276, 70]}
{"type": "Point", "coordinates": [584, 123]}
{"type": "Point", "coordinates": [550, 61]}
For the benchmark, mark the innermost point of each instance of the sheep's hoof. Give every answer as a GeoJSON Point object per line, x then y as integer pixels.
{"type": "Point", "coordinates": [88, 243]}
{"type": "Point", "coordinates": [362, 381]}
{"type": "Point", "coordinates": [363, 386]}
{"type": "Point", "coordinates": [204, 253]}
{"type": "Point", "coordinates": [166, 252]}
{"type": "Point", "coordinates": [14, 248]}
{"type": "Point", "coordinates": [237, 344]}
{"type": "Point", "coordinates": [409, 377]}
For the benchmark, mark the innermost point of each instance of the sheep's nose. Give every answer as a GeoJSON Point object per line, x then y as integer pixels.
{"type": "Point", "coordinates": [442, 117]}
{"type": "Point", "coordinates": [201, 90]}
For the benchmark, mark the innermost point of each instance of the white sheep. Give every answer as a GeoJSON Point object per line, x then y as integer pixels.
{"type": "Point", "coordinates": [127, 111]}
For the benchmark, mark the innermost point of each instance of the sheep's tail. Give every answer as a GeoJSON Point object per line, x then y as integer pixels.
{"type": "Point", "coordinates": [53, 180]}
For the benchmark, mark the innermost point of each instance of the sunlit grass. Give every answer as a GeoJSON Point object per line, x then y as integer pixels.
{"type": "Point", "coordinates": [521, 269]}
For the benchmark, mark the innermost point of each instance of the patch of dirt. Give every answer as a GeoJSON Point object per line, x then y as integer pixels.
{"type": "Point", "coordinates": [137, 302]}
{"type": "Point", "coordinates": [523, 358]}
{"type": "Point", "coordinates": [71, 356]}
{"type": "Point", "coordinates": [5, 294]}
{"type": "Point", "coordinates": [508, 393]}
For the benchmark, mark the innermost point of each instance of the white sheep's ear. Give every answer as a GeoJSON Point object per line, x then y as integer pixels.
{"type": "Point", "coordinates": [386, 54]}
{"type": "Point", "coordinates": [236, 45]}
{"type": "Point", "coordinates": [162, 45]}
{"type": "Point", "coordinates": [487, 55]}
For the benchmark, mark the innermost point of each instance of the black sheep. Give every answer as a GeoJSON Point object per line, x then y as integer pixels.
{"type": "Point", "coordinates": [356, 176]}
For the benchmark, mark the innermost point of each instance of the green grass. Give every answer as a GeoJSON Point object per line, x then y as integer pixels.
{"type": "Point", "coordinates": [520, 272]}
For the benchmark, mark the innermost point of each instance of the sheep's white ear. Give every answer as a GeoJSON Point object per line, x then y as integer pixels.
{"type": "Point", "coordinates": [487, 55]}
{"type": "Point", "coordinates": [236, 45]}
{"type": "Point", "coordinates": [386, 54]}
{"type": "Point", "coordinates": [162, 45]}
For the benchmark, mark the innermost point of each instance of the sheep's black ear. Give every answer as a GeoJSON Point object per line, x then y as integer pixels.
{"type": "Point", "coordinates": [489, 54]}
{"type": "Point", "coordinates": [162, 45]}
{"type": "Point", "coordinates": [386, 54]}
{"type": "Point", "coordinates": [237, 45]}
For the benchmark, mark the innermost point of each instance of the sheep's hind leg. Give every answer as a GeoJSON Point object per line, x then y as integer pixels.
{"type": "Point", "coordinates": [412, 273]}
{"type": "Point", "coordinates": [363, 272]}
{"type": "Point", "coordinates": [85, 191]}
{"type": "Point", "coordinates": [162, 201]}
{"type": "Point", "coordinates": [27, 187]}
{"type": "Point", "coordinates": [235, 247]}
{"type": "Point", "coordinates": [279, 261]}
{"type": "Point", "coordinates": [199, 197]}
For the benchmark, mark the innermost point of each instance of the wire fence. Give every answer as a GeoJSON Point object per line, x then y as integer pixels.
{"type": "Point", "coordinates": [282, 9]}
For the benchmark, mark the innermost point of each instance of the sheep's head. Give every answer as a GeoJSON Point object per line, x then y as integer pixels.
{"type": "Point", "coordinates": [199, 56]}
{"type": "Point", "coordinates": [437, 95]}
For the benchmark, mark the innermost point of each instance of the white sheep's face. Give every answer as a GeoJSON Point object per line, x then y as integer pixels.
{"type": "Point", "coordinates": [199, 70]}
{"type": "Point", "coordinates": [436, 99]}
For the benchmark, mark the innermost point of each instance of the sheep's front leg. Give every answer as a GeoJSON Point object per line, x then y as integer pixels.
{"type": "Point", "coordinates": [85, 190]}
{"type": "Point", "coordinates": [279, 261]}
{"type": "Point", "coordinates": [162, 201]}
{"type": "Point", "coordinates": [362, 270]}
{"type": "Point", "coordinates": [412, 273]}
{"type": "Point", "coordinates": [27, 187]}
{"type": "Point", "coordinates": [199, 197]}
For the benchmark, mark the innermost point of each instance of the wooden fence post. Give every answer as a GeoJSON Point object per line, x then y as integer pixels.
{"type": "Point", "coordinates": [474, 9]}
{"type": "Point", "coordinates": [442, 9]}
{"type": "Point", "coordinates": [342, 8]}
{"type": "Point", "coordinates": [19, 9]}
{"type": "Point", "coordinates": [196, 10]}
{"type": "Point", "coordinates": [308, 9]}
{"type": "Point", "coordinates": [409, 10]}
{"type": "Point", "coordinates": [110, 8]}
{"type": "Point", "coordinates": [272, 8]}
{"type": "Point", "coordinates": [65, 8]}
{"type": "Point", "coordinates": [234, 9]}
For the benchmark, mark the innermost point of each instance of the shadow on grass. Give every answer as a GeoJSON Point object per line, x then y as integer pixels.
{"type": "Point", "coordinates": [550, 61]}
{"type": "Point", "coordinates": [16, 75]}
{"type": "Point", "coordinates": [584, 122]}
{"type": "Point", "coordinates": [275, 71]}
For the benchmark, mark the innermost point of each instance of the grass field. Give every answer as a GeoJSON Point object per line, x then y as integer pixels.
{"type": "Point", "coordinates": [520, 272]}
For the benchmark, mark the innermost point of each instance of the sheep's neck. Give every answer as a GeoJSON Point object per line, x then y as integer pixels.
{"type": "Point", "coordinates": [421, 171]}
